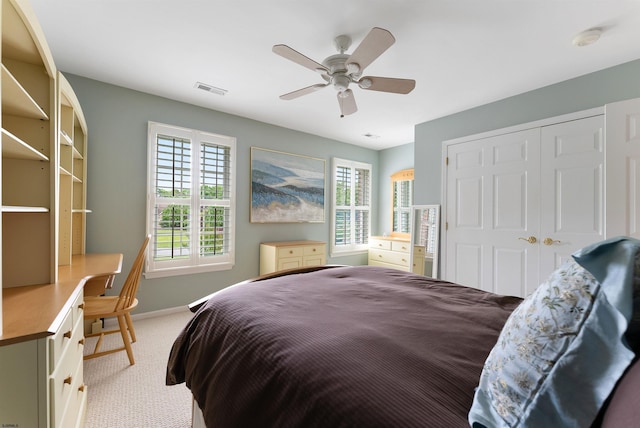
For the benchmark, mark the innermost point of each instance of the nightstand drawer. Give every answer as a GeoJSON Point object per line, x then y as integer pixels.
{"type": "Point", "coordinates": [400, 246]}
{"type": "Point", "coordinates": [380, 244]}
{"type": "Point", "coordinates": [396, 258]}
{"type": "Point", "coordinates": [290, 252]}
{"type": "Point", "coordinates": [313, 250]}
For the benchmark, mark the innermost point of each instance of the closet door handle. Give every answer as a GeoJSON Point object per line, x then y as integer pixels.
{"type": "Point", "coordinates": [530, 240]}
{"type": "Point", "coordinates": [549, 241]}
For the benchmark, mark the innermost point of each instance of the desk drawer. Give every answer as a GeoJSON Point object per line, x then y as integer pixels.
{"type": "Point", "coordinates": [59, 342]}
{"type": "Point", "coordinates": [64, 386]}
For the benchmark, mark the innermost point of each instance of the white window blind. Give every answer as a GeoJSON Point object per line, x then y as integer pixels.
{"type": "Point", "coordinates": [351, 185]}
{"type": "Point", "coordinates": [190, 201]}
{"type": "Point", "coordinates": [402, 198]}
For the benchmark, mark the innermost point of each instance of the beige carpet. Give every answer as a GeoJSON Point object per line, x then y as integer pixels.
{"type": "Point", "coordinates": [122, 396]}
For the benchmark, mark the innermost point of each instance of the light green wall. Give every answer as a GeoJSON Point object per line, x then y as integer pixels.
{"type": "Point", "coordinates": [592, 90]}
{"type": "Point", "coordinates": [391, 160]}
{"type": "Point", "coordinates": [117, 166]}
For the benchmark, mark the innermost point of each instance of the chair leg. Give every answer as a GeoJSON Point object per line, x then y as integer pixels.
{"type": "Point", "coordinates": [125, 338]}
{"type": "Point", "coordinates": [130, 325]}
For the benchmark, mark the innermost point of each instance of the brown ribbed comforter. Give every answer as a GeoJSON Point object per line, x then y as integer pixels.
{"type": "Point", "coordinates": [355, 346]}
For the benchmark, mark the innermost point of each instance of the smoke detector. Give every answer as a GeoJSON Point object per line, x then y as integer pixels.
{"type": "Point", "coordinates": [587, 37]}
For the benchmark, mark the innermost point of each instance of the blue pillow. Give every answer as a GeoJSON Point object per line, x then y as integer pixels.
{"type": "Point", "coordinates": [562, 350]}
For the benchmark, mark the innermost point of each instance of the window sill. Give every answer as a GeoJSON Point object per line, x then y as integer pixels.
{"type": "Point", "coordinates": [187, 270]}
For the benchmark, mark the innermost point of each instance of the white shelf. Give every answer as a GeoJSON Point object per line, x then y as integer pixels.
{"type": "Point", "coordinates": [16, 100]}
{"type": "Point", "coordinates": [18, 209]}
{"type": "Point", "coordinates": [14, 147]}
{"type": "Point", "coordinates": [65, 139]}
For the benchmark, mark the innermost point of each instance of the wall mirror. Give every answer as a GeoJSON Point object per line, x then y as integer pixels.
{"type": "Point", "coordinates": [425, 239]}
{"type": "Point", "coordinates": [402, 200]}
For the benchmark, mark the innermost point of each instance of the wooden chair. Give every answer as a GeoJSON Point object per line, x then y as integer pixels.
{"type": "Point", "coordinates": [119, 307]}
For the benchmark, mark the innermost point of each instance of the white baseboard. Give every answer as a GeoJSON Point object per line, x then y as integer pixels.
{"type": "Point", "coordinates": [113, 323]}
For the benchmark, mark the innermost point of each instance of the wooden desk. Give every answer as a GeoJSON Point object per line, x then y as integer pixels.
{"type": "Point", "coordinates": [36, 311]}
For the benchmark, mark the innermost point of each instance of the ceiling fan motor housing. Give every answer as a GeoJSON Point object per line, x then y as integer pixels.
{"type": "Point", "coordinates": [340, 82]}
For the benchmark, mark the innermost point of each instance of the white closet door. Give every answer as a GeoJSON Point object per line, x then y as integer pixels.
{"type": "Point", "coordinates": [492, 208]}
{"type": "Point", "coordinates": [571, 189]}
{"type": "Point", "coordinates": [623, 168]}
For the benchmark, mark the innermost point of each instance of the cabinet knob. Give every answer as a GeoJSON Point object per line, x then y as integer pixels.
{"type": "Point", "coordinates": [81, 341]}
{"type": "Point", "coordinates": [81, 305]}
{"type": "Point", "coordinates": [314, 250]}
{"type": "Point", "coordinates": [67, 380]}
{"type": "Point", "coordinates": [290, 251]}
{"type": "Point", "coordinates": [67, 334]}
{"type": "Point", "coordinates": [81, 388]}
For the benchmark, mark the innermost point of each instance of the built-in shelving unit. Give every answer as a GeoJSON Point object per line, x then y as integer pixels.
{"type": "Point", "coordinates": [72, 169]}
{"type": "Point", "coordinates": [43, 145]}
{"type": "Point", "coordinates": [29, 204]}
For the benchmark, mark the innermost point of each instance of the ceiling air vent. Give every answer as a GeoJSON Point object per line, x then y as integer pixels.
{"type": "Point", "coordinates": [210, 88]}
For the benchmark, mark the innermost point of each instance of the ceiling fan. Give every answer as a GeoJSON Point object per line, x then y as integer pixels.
{"type": "Point", "coordinates": [340, 70]}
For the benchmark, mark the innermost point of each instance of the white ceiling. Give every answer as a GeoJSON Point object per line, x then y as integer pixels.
{"type": "Point", "coordinates": [462, 53]}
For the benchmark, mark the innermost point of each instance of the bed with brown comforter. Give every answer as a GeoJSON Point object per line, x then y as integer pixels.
{"type": "Point", "coordinates": [342, 347]}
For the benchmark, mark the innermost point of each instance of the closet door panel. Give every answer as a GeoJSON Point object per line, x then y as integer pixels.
{"type": "Point", "coordinates": [623, 168]}
{"type": "Point", "coordinates": [572, 189]}
{"type": "Point", "coordinates": [492, 209]}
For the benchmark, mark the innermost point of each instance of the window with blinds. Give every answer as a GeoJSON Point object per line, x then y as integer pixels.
{"type": "Point", "coordinates": [351, 206]}
{"type": "Point", "coordinates": [190, 201]}
{"type": "Point", "coordinates": [402, 200]}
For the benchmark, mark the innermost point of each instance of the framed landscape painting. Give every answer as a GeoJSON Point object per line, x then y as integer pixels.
{"type": "Point", "coordinates": [286, 188]}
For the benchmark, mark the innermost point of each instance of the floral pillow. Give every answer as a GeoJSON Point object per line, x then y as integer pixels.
{"type": "Point", "coordinates": [562, 350]}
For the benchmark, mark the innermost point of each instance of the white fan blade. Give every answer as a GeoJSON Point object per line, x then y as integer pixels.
{"type": "Point", "coordinates": [387, 84]}
{"type": "Point", "coordinates": [303, 91]}
{"type": "Point", "coordinates": [347, 103]}
{"type": "Point", "coordinates": [295, 56]}
{"type": "Point", "coordinates": [374, 44]}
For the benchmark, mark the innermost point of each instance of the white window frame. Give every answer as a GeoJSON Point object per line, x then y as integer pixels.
{"type": "Point", "coordinates": [353, 248]}
{"type": "Point", "coordinates": [194, 263]}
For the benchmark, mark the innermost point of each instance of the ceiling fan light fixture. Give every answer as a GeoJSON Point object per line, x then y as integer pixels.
{"type": "Point", "coordinates": [353, 68]}
{"type": "Point", "coordinates": [365, 83]}
{"type": "Point", "coordinates": [587, 37]}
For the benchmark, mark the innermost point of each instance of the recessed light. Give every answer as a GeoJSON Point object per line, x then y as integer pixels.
{"type": "Point", "coordinates": [587, 37]}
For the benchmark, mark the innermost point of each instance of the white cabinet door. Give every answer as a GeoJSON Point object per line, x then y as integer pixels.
{"type": "Point", "coordinates": [623, 168]}
{"type": "Point", "coordinates": [571, 190]}
{"type": "Point", "coordinates": [492, 208]}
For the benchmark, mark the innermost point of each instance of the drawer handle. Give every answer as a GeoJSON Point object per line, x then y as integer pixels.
{"type": "Point", "coordinates": [404, 248]}
{"type": "Point", "coordinates": [81, 305]}
{"type": "Point", "coordinates": [379, 245]}
{"type": "Point", "coordinates": [81, 388]}
{"type": "Point", "coordinates": [67, 334]}
{"type": "Point", "coordinates": [67, 380]}
{"type": "Point", "coordinates": [380, 255]}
